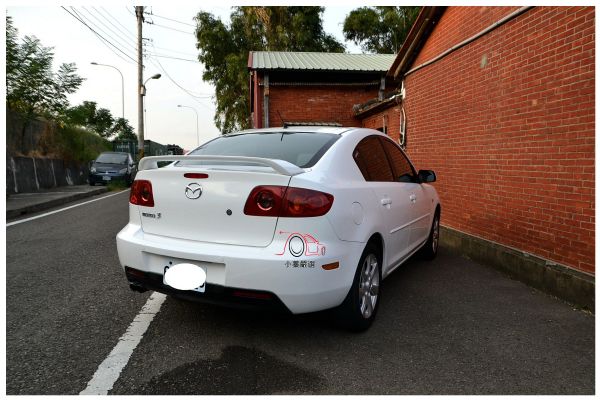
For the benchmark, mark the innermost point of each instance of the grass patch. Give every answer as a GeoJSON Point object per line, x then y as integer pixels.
{"type": "Point", "coordinates": [116, 186]}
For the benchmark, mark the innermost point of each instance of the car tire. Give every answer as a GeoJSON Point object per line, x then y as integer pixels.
{"type": "Point", "coordinates": [92, 183]}
{"type": "Point", "coordinates": [360, 306]}
{"type": "Point", "coordinates": [430, 249]}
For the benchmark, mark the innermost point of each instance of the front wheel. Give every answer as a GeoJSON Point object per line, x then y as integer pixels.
{"type": "Point", "coordinates": [358, 310]}
{"type": "Point", "coordinates": [430, 249]}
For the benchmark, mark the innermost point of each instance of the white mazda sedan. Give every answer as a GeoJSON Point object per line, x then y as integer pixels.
{"type": "Point", "coordinates": [297, 218]}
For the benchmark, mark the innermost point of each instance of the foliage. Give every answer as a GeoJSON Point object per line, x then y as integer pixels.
{"type": "Point", "coordinates": [88, 115]}
{"type": "Point", "coordinates": [103, 123]}
{"type": "Point", "coordinates": [78, 144]}
{"type": "Point", "coordinates": [123, 130]}
{"type": "Point", "coordinates": [116, 186]}
{"type": "Point", "coordinates": [32, 85]}
{"type": "Point", "coordinates": [224, 50]}
{"type": "Point", "coordinates": [99, 120]}
{"type": "Point", "coordinates": [379, 29]}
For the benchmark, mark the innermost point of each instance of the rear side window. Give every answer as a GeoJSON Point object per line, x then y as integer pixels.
{"type": "Point", "coordinates": [403, 171]}
{"type": "Point", "coordinates": [372, 161]}
{"type": "Point", "coordinates": [302, 149]}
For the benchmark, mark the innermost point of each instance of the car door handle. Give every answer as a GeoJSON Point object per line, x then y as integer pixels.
{"type": "Point", "coordinates": [386, 201]}
{"type": "Point", "coordinates": [413, 198]}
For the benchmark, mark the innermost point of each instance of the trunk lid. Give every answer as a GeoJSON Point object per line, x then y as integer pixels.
{"type": "Point", "coordinates": [208, 209]}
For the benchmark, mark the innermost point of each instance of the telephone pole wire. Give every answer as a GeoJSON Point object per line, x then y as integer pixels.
{"type": "Point", "coordinates": [139, 13]}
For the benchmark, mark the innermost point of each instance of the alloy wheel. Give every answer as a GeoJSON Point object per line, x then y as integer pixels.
{"type": "Point", "coordinates": [436, 234]}
{"type": "Point", "coordinates": [368, 289]}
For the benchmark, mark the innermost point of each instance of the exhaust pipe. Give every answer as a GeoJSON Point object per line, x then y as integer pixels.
{"type": "Point", "coordinates": [137, 288]}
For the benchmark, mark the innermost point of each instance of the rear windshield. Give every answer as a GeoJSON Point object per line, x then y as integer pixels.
{"type": "Point", "coordinates": [112, 158]}
{"type": "Point", "coordinates": [299, 148]}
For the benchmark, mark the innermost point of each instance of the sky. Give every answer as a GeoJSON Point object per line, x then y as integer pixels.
{"type": "Point", "coordinates": [181, 80]}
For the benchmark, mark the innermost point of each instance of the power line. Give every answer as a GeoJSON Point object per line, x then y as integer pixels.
{"type": "Point", "coordinates": [104, 40]}
{"type": "Point", "coordinates": [174, 58]}
{"type": "Point", "coordinates": [175, 51]}
{"type": "Point", "coordinates": [189, 92]}
{"type": "Point", "coordinates": [174, 20]}
{"type": "Point", "coordinates": [102, 12]}
{"type": "Point", "coordinates": [116, 42]}
{"type": "Point", "coordinates": [168, 27]}
{"type": "Point", "coordinates": [195, 98]}
{"type": "Point", "coordinates": [118, 37]}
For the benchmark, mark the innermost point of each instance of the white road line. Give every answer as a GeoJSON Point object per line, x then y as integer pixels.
{"type": "Point", "coordinates": [109, 371]}
{"type": "Point", "coordinates": [62, 209]}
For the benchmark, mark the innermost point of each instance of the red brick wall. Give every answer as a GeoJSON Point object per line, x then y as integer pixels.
{"type": "Point", "coordinates": [392, 118]}
{"type": "Point", "coordinates": [317, 103]}
{"type": "Point", "coordinates": [507, 123]}
{"type": "Point", "coordinates": [458, 24]}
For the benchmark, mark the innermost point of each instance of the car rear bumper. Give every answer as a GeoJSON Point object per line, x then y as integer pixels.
{"type": "Point", "coordinates": [300, 283]}
{"type": "Point", "coordinates": [214, 294]}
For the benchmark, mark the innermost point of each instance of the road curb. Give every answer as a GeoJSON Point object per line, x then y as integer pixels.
{"type": "Point", "coordinates": [568, 284]}
{"type": "Point", "coordinates": [17, 212]}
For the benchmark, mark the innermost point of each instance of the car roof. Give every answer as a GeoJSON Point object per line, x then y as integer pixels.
{"type": "Point", "coordinates": [114, 152]}
{"type": "Point", "coordinates": [303, 128]}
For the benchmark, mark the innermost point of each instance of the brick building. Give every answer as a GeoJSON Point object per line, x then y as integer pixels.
{"type": "Point", "coordinates": [499, 101]}
{"type": "Point", "coordinates": [309, 87]}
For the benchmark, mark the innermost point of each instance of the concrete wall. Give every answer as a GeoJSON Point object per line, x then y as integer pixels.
{"type": "Point", "coordinates": [28, 174]}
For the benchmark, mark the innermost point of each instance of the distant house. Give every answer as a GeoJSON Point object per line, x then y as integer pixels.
{"type": "Point", "coordinates": [499, 101]}
{"type": "Point", "coordinates": [322, 87]}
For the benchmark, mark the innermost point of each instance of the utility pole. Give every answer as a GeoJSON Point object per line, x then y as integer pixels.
{"type": "Point", "coordinates": [139, 13]}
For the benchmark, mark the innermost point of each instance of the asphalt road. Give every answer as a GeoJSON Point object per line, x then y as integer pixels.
{"type": "Point", "coordinates": [446, 327]}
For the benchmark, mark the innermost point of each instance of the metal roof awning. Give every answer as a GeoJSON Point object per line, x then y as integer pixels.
{"type": "Point", "coordinates": [290, 60]}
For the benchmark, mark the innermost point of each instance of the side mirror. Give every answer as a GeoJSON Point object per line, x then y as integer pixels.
{"type": "Point", "coordinates": [427, 176]}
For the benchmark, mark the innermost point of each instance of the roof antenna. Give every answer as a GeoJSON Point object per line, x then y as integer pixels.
{"type": "Point", "coordinates": [282, 121]}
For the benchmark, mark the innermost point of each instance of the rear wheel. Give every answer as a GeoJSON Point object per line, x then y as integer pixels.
{"type": "Point", "coordinates": [358, 310]}
{"type": "Point", "coordinates": [430, 249]}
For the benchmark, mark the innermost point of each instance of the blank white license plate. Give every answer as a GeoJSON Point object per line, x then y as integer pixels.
{"type": "Point", "coordinates": [106, 178]}
{"type": "Point", "coordinates": [200, 289]}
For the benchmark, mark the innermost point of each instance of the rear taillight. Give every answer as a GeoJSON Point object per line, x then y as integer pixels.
{"type": "Point", "coordinates": [300, 202]}
{"type": "Point", "coordinates": [265, 201]}
{"type": "Point", "coordinates": [279, 201]}
{"type": "Point", "coordinates": [141, 193]}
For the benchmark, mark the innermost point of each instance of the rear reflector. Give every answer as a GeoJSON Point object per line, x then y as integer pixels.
{"type": "Point", "coordinates": [329, 267]}
{"type": "Point", "coordinates": [193, 175]}
{"type": "Point", "coordinates": [141, 193]}
{"type": "Point", "coordinates": [252, 295]}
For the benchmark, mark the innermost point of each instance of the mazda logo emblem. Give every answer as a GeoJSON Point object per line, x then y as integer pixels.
{"type": "Point", "coordinates": [193, 191]}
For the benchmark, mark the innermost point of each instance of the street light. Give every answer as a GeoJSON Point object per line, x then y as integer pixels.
{"type": "Point", "coordinates": [197, 132]}
{"type": "Point", "coordinates": [143, 93]}
{"type": "Point", "coordinates": [122, 85]}
{"type": "Point", "coordinates": [143, 89]}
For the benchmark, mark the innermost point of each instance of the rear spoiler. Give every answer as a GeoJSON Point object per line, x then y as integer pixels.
{"type": "Point", "coordinates": [280, 166]}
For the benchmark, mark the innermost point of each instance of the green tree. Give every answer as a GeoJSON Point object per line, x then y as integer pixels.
{"type": "Point", "coordinates": [224, 50]}
{"type": "Point", "coordinates": [88, 115]}
{"type": "Point", "coordinates": [12, 47]}
{"type": "Point", "coordinates": [32, 87]}
{"type": "Point", "coordinates": [103, 123]}
{"type": "Point", "coordinates": [123, 130]}
{"type": "Point", "coordinates": [379, 29]}
{"type": "Point", "coordinates": [82, 114]}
